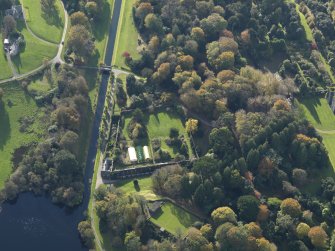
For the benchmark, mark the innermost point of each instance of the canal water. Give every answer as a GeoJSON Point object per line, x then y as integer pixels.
{"type": "Point", "coordinates": [34, 223]}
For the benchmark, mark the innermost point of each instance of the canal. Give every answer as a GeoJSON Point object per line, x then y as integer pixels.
{"type": "Point", "coordinates": [34, 223]}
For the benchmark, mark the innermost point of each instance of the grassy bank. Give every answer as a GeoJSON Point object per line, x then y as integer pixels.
{"type": "Point", "coordinates": [15, 105]}
{"type": "Point", "coordinates": [127, 35]}
{"type": "Point", "coordinates": [48, 26]}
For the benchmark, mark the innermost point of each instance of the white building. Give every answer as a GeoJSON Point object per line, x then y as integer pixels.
{"type": "Point", "coordinates": [146, 152]}
{"type": "Point", "coordinates": [6, 42]}
{"type": "Point", "coordinates": [132, 154]}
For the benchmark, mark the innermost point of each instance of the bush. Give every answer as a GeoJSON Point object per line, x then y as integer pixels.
{"type": "Point", "coordinates": [174, 133]}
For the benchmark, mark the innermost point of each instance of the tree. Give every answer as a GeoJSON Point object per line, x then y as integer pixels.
{"type": "Point", "coordinates": [153, 23]}
{"type": "Point", "coordinates": [318, 237]}
{"type": "Point", "coordinates": [79, 18]}
{"type": "Point", "coordinates": [9, 25]}
{"type": "Point", "coordinates": [196, 241]}
{"type": "Point", "coordinates": [48, 5]}
{"type": "Point", "coordinates": [192, 126]}
{"type": "Point", "coordinates": [222, 215]}
{"type": "Point", "coordinates": [223, 143]}
{"type": "Point", "coordinates": [299, 177]}
{"type": "Point", "coordinates": [207, 231]}
{"type": "Point", "coordinates": [66, 163]}
{"type": "Point", "coordinates": [69, 141]}
{"type": "Point", "coordinates": [67, 117]}
{"type": "Point", "coordinates": [206, 166]}
{"type": "Point", "coordinates": [142, 11]}
{"type": "Point", "coordinates": [291, 207]}
{"type": "Point", "coordinates": [92, 9]}
{"type": "Point", "coordinates": [302, 230]}
{"type": "Point", "coordinates": [132, 241]}
{"type": "Point", "coordinates": [80, 41]}
{"type": "Point", "coordinates": [86, 233]}
{"type": "Point", "coordinates": [212, 25]}
{"type": "Point", "coordinates": [248, 207]}
{"type": "Point", "coordinates": [220, 56]}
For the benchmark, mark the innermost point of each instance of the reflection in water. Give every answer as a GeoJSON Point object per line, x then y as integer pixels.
{"type": "Point", "coordinates": [34, 223]}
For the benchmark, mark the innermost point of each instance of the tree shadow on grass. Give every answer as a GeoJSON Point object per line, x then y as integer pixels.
{"type": "Point", "coordinates": [52, 17]}
{"type": "Point", "coordinates": [100, 27]}
{"type": "Point", "coordinates": [183, 217]}
{"type": "Point", "coordinates": [4, 125]}
{"type": "Point", "coordinates": [311, 105]}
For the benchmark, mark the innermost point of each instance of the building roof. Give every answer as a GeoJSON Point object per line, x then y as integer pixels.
{"type": "Point", "coordinates": [154, 206]}
{"type": "Point", "coordinates": [132, 154]}
{"type": "Point", "coordinates": [6, 41]}
{"type": "Point", "coordinates": [146, 152]}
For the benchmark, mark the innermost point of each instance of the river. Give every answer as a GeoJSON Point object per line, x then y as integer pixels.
{"type": "Point", "coordinates": [34, 223]}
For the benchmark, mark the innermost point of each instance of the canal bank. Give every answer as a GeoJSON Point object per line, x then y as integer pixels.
{"type": "Point", "coordinates": [34, 223]}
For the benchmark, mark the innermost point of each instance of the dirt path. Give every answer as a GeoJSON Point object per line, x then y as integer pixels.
{"type": "Point", "coordinates": [10, 63]}
{"type": "Point", "coordinates": [325, 131]}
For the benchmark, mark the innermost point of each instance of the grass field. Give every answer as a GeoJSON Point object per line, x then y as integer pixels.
{"type": "Point", "coordinates": [173, 218]}
{"type": "Point", "coordinates": [145, 188]}
{"type": "Point", "coordinates": [127, 35]}
{"type": "Point", "coordinates": [48, 26]}
{"type": "Point", "coordinates": [318, 112]}
{"type": "Point", "coordinates": [159, 125]}
{"type": "Point", "coordinates": [40, 85]}
{"type": "Point", "coordinates": [5, 71]}
{"type": "Point", "coordinates": [34, 54]}
{"type": "Point", "coordinates": [10, 135]}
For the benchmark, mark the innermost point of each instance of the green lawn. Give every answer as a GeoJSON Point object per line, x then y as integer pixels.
{"type": "Point", "coordinates": [145, 185]}
{"type": "Point", "coordinates": [34, 54]}
{"type": "Point", "coordinates": [127, 35]}
{"type": "Point", "coordinates": [5, 71]}
{"type": "Point", "coordinates": [159, 125]}
{"type": "Point", "coordinates": [10, 135]}
{"type": "Point", "coordinates": [318, 112]}
{"type": "Point", "coordinates": [173, 218]}
{"type": "Point", "coordinates": [329, 142]}
{"type": "Point", "coordinates": [40, 85]}
{"type": "Point", "coordinates": [48, 26]}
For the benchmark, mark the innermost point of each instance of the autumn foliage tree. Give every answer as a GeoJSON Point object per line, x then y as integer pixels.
{"type": "Point", "coordinates": [318, 237]}
{"type": "Point", "coordinates": [291, 207]}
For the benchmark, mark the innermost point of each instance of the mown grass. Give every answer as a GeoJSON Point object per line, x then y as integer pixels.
{"type": "Point", "coordinates": [318, 112]}
{"type": "Point", "coordinates": [145, 188]}
{"type": "Point", "coordinates": [48, 26]}
{"type": "Point", "coordinates": [34, 54]}
{"type": "Point", "coordinates": [127, 35]}
{"type": "Point", "coordinates": [16, 104]}
{"type": "Point", "coordinates": [174, 218]}
{"type": "Point", "coordinates": [5, 71]}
